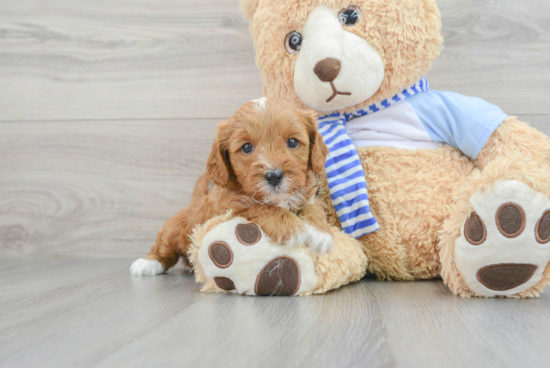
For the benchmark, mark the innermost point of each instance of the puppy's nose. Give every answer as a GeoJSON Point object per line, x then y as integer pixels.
{"type": "Point", "coordinates": [274, 177]}
{"type": "Point", "coordinates": [327, 69]}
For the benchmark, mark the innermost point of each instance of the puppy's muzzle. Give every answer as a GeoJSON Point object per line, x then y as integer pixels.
{"type": "Point", "coordinates": [274, 177]}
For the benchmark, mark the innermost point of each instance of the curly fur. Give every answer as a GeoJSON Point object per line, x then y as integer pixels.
{"type": "Point", "coordinates": [241, 186]}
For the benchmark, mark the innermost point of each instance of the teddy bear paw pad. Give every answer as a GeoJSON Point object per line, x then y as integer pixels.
{"type": "Point", "coordinates": [239, 257]}
{"type": "Point", "coordinates": [280, 276]}
{"type": "Point", "coordinates": [503, 248]}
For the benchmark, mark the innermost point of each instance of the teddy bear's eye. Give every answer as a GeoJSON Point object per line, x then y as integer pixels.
{"type": "Point", "coordinates": [293, 42]}
{"type": "Point", "coordinates": [349, 16]}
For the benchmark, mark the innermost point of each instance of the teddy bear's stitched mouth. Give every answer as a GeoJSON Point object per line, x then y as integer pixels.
{"type": "Point", "coordinates": [335, 92]}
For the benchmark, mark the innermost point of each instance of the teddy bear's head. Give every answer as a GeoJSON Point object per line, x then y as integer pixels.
{"type": "Point", "coordinates": [338, 55]}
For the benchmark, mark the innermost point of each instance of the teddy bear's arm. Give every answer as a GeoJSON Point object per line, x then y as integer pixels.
{"type": "Point", "coordinates": [515, 136]}
{"type": "Point", "coordinates": [278, 223]}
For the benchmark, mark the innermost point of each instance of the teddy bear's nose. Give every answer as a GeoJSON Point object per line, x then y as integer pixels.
{"type": "Point", "coordinates": [327, 69]}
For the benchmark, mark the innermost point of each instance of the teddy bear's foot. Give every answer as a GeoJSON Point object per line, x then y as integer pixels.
{"type": "Point", "coordinates": [230, 254]}
{"type": "Point", "coordinates": [504, 246]}
{"type": "Point", "coordinates": [239, 257]}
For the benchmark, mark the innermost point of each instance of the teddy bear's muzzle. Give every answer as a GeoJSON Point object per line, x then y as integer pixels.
{"type": "Point", "coordinates": [327, 70]}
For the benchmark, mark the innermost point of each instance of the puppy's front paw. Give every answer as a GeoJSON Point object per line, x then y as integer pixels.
{"type": "Point", "coordinates": [296, 240]}
{"type": "Point", "coordinates": [319, 240]}
{"type": "Point", "coordinates": [146, 267]}
{"type": "Point", "coordinates": [293, 236]}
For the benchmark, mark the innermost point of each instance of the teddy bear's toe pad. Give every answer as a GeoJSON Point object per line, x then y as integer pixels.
{"type": "Point", "coordinates": [281, 276]}
{"type": "Point", "coordinates": [501, 277]}
{"type": "Point", "coordinates": [224, 283]}
{"type": "Point", "coordinates": [239, 257]}
{"type": "Point", "coordinates": [503, 248]}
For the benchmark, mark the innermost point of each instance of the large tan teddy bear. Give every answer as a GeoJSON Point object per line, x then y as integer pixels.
{"type": "Point", "coordinates": [456, 188]}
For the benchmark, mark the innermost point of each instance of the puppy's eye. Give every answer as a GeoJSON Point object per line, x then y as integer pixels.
{"type": "Point", "coordinates": [292, 143]}
{"type": "Point", "coordinates": [349, 16]}
{"type": "Point", "coordinates": [247, 148]}
{"type": "Point", "coordinates": [293, 42]}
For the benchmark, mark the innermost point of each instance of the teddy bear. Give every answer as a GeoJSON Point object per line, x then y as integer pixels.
{"type": "Point", "coordinates": [419, 184]}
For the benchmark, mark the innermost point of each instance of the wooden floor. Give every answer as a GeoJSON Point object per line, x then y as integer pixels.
{"type": "Point", "coordinates": [107, 114]}
{"type": "Point", "coordinates": [91, 313]}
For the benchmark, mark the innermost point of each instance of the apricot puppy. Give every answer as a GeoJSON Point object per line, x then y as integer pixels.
{"type": "Point", "coordinates": [264, 162]}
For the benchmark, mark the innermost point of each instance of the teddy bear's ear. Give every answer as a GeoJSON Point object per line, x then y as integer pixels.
{"type": "Point", "coordinates": [248, 8]}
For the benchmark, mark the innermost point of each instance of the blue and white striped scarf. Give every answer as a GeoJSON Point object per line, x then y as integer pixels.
{"type": "Point", "coordinates": [346, 179]}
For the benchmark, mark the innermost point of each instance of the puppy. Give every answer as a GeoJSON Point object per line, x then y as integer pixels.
{"type": "Point", "coordinates": [264, 164]}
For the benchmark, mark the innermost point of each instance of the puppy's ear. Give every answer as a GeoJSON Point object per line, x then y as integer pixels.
{"type": "Point", "coordinates": [318, 150]}
{"type": "Point", "coordinates": [218, 166]}
{"type": "Point", "coordinates": [248, 8]}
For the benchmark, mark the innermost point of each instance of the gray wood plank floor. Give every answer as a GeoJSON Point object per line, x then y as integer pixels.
{"type": "Point", "coordinates": [92, 313]}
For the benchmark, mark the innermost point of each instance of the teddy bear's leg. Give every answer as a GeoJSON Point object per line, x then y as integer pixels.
{"type": "Point", "coordinates": [498, 243]}
{"type": "Point", "coordinates": [497, 240]}
{"type": "Point", "coordinates": [233, 255]}
{"type": "Point", "coordinates": [514, 136]}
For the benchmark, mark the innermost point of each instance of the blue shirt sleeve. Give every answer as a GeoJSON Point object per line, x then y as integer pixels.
{"type": "Point", "coordinates": [461, 121]}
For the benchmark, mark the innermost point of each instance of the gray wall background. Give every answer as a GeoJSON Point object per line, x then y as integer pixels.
{"type": "Point", "coordinates": [108, 109]}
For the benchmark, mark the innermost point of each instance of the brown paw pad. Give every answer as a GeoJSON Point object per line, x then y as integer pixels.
{"type": "Point", "coordinates": [224, 283]}
{"type": "Point", "coordinates": [474, 230]}
{"type": "Point", "coordinates": [220, 254]}
{"type": "Point", "coordinates": [248, 234]}
{"type": "Point", "coordinates": [510, 220]}
{"type": "Point", "coordinates": [281, 276]}
{"type": "Point", "coordinates": [506, 276]}
{"type": "Point", "coordinates": [542, 231]}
